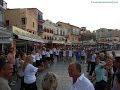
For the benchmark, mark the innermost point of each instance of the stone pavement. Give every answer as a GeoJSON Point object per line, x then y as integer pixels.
{"type": "Point", "coordinates": [60, 69]}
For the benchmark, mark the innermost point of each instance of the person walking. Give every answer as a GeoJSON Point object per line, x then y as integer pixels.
{"type": "Point", "coordinates": [78, 55]}
{"type": "Point", "coordinates": [92, 63]}
{"type": "Point", "coordinates": [83, 56]}
{"type": "Point", "coordinates": [70, 55]}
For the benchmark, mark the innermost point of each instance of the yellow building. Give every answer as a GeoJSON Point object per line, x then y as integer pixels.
{"type": "Point", "coordinates": [68, 30]}
{"type": "Point", "coordinates": [28, 19]}
{"type": "Point", "coordinates": [73, 32]}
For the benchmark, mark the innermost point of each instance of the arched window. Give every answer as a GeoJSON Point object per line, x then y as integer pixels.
{"type": "Point", "coordinates": [47, 38]}
{"type": "Point", "coordinates": [44, 37]}
{"type": "Point", "coordinates": [45, 29]}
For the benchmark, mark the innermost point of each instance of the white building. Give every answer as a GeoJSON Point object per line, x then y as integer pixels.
{"type": "Point", "coordinates": [104, 35]}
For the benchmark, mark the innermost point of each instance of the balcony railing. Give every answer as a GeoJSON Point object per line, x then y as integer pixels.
{"type": "Point", "coordinates": [3, 4]}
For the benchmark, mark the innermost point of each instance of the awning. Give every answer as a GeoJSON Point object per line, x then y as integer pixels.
{"type": "Point", "coordinates": [29, 39]}
{"type": "Point", "coordinates": [59, 42]}
{"type": "Point", "coordinates": [22, 34]}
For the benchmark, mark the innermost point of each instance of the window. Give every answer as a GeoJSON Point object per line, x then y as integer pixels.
{"type": "Point", "coordinates": [23, 21]}
{"type": "Point", "coordinates": [47, 30]}
{"type": "Point", "coordinates": [7, 22]}
{"type": "Point", "coordinates": [33, 24]}
{"type": "Point", "coordinates": [52, 31]}
{"type": "Point", "coordinates": [47, 38]}
{"type": "Point", "coordinates": [44, 29]}
{"type": "Point", "coordinates": [61, 32]}
{"type": "Point", "coordinates": [40, 17]}
{"type": "Point", "coordinates": [57, 32]}
{"type": "Point", "coordinates": [44, 37]}
{"type": "Point", "coordinates": [55, 38]}
{"type": "Point", "coordinates": [40, 27]}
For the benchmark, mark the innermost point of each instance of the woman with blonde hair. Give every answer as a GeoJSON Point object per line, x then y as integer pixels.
{"type": "Point", "coordinates": [49, 81]}
{"type": "Point", "coordinates": [29, 74]}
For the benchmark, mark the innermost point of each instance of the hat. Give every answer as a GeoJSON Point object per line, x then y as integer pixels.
{"type": "Point", "coordinates": [117, 58]}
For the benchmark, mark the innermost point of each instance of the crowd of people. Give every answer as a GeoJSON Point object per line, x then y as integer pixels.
{"type": "Point", "coordinates": [103, 68]}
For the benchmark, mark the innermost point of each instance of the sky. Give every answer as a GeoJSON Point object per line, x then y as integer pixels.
{"type": "Point", "coordinates": [92, 14]}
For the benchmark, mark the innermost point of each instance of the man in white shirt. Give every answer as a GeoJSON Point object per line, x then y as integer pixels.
{"type": "Point", "coordinates": [37, 58]}
{"type": "Point", "coordinates": [33, 58]}
{"type": "Point", "coordinates": [51, 55]}
{"type": "Point", "coordinates": [80, 82]}
{"type": "Point", "coordinates": [57, 54]}
{"type": "Point", "coordinates": [83, 56]}
{"type": "Point", "coordinates": [93, 63]}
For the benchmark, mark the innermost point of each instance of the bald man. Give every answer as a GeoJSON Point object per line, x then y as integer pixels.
{"type": "Point", "coordinates": [80, 82]}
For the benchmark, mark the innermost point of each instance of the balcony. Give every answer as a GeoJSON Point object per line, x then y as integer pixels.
{"type": "Point", "coordinates": [3, 5]}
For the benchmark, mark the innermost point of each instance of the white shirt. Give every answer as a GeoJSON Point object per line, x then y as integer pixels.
{"type": "Point", "coordinates": [64, 53]}
{"type": "Point", "coordinates": [43, 52]}
{"type": "Point", "coordinates": [93, 58]}
{"type": "Point", "coordinates": [57, 52]}
{"type": "Point", "coordinates": [82, 83]}
{"type": "Point", "coordinates": [83, 53]}
{"type": "Point", "coordinates": [54, 49]}
{"type": "Point", "coordinates": [40, 56]}
{"type": "Point", "coordinates": [50, 51]}
{"type": "Point", "coordinates": [37, 56]}
{"type": "Point", "coordinates": [33, 58]}
{"type": "Point", "coordinates": [29, 74]}
{"type": "Point", "coordinates": [47, 54]}
{"type": "Point", "coordinates": [70, 53]}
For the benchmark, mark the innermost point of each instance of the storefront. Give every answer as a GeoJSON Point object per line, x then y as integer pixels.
{"type": "Point", "coordinates": [26, 41]}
